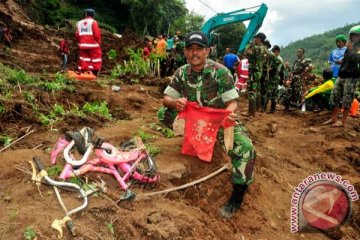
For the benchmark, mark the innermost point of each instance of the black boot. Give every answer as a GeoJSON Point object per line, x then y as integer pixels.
{"type": "Point", "coordinates": [95, 72]}
{"type": "Point", "coordinates": [258, 103]}
{"type": "Point", "coordinates": [273, 106]}
{"type": "Point", "coordinates": [252, 107]}
{"type": "Point", "coordinates": [264, 103]}
{"type": "Point", "coordinates": [234, 202]}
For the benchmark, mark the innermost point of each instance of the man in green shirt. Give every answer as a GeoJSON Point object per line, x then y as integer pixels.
{"type": "Point", "coordinates": [211, 85]}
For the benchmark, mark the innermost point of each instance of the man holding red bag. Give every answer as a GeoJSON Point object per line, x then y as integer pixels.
{"type": "Point", "coordinates": [211, 84]}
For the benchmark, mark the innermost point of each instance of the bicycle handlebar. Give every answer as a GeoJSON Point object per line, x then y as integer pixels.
{"type": "Point", "coordinates": [75, 162]}
{"type": "Point", "coordinates": [52, 182]}
{"type": "Point", "coordinates": [38, 164]}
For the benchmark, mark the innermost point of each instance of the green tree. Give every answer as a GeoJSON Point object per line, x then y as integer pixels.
{"type": "Point", "coordinates": [188, 23]}
{"type": "Point", "coordinates": [228, 36]}
{"type": "Point", "coordinates": [154, 16]}
{"type": "Point", "coordinates": [317, 47]}
{"type": "Point", "coordinates": [142, 16]}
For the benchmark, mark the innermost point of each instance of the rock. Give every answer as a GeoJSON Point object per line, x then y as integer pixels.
{"type": "Point", "coordinates": [7, 198]}
{"type": "Point", "coordinates": [352, 134]}
{"type": "Point", "coordinates": [273, 225]}
{"type": "Point", "coordinates": [273, 127]}
{"type": "Point", "coordinates": [314, 129]}
{"type": "Point", "coordinates": [115, 88]}
{"type": "Point", "coordinates": [174, 170]}
{"type": "Point", "coordinates": [179, 127]}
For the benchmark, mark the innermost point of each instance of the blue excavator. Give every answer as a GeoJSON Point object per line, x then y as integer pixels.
{"type": "Point", "coordinates": [256, 19]}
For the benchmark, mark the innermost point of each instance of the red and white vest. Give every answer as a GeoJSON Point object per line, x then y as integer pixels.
{"type": "Point", "coordinates": [242, 74]}
{"type": "Point", "coordinates": [88, 34]}
{"type": "Point", "coordinates": [243, 69]}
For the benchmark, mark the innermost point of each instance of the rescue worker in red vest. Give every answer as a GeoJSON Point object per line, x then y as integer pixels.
{"type": "Point", "coordinates": [88, 36]}
{"type": "Point", "coordinates": [242, 72]}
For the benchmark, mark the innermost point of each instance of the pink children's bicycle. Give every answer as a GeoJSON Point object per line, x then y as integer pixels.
{"type": "Point", "coordinates": [130, 162]}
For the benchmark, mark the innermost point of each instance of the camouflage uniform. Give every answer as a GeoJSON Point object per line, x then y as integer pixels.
{"type": "Point", "coordinates": [213, 87]}
{"type": "Point", "coordinates": [343, 92]}
{"type": "Point", "coordinates": [274, 65]}
{"type": "Point", "coordinates": [179, 54]}
{"type": "Point", "coordinates": [294, 91]}
{"type": "Point", "coordinates": [257, 58]}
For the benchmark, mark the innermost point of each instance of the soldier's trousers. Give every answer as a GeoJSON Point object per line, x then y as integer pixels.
{"type": "Point", "coordinates": [254, 84]}
{"type": "Point", "coordinates": [272, 90]}
{"type": "Point", "coordinates": [343, 93]}
{"type": "Point", "coordinates": [242, 156]}
{"type": "Point", "coordinates": [294, 92]}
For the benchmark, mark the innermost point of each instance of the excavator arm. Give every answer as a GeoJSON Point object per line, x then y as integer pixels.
{"type": "Point", "coordinates": [256, 19]}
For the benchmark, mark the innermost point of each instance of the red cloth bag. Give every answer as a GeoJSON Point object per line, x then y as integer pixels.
{"type": "Point", "coordinates": [201, 127]}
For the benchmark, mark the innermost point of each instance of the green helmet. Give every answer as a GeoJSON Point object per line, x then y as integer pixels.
{"type": "Point", "coordinates": [355, 30]}
{"type": "Point", "coordinates": [340, 37]}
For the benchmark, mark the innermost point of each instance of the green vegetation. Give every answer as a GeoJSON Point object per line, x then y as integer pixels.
{"type": "Point", "coordinates": [61, 82]}
{"type": "Point", "coordinates": [142, 16]}
{"type": "Point", "coordinates": [21, 77]}
{"type": "Point", "coordinates": [2, 108]}
{"type": "Point", "coordinates": [152, 149]}
{"type": "Point", "coordinates": [5, 140]}
{"type": "Point", "coordinates": [13, 214]}
{"type": "Point", "coordinates": [29, 233]}
{"type": "Point", "coordinates": [145, 137]}
{"type": "Point", "coordinates": [112, 54]}
{"type": "Point", "coordinates": [110, 227]}
{"type": "Point", "coordinates": [54, 171]}
{"type": "Point", "coordinates": [76, 111]}
{"type": "Point", "coordinates": [107, 27]}
{"type": "Point", "coordinates": [167, 132]}
{"type": "Point", "coordinates": [136, 66]}
{"type": "Point", "coordinates": [55, 114]}
{"type": "Point", "coordinates": [45, 120]}
{"type": "Point", "coordinates": [58, 112]}
{"type": "Point", "coordinates": [187, 23]}
{"type": "Point", "coordinates": [99, 108]}
{"type": "Point", "coordinates": [317, 47]}
{"type": "Point", "coordinates": [228, 36]}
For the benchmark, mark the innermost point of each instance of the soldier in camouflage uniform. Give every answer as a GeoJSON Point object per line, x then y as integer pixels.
{"type": "Point", "coordinates": [275, 66]}
{"type": "Point", "coordinates": [264, 81]}
{"type": "Point", "coordinates": [179, 46]}
{"type": "Point", "coordinates": [256, 54]}
{"type": "Point", "coordinates": [293, 94]}
{"type": "Point", "coordinates": [211, 85]}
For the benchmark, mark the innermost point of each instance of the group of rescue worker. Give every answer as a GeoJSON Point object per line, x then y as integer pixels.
{"type": "Point", "coordinates": [267, 71]}
{"type": "Point", "coordinates": [168, 50]}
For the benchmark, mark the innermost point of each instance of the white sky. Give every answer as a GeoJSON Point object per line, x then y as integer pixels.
{"type": "Point", "coordinates": [289, 20]}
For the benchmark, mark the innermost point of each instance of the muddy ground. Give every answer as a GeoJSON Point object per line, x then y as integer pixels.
{"type": "Point", "coordinates": [300, 147]}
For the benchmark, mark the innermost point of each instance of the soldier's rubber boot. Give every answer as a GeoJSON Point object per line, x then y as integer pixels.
{"type": "Point", "coordinates": [272, 106]}
{"type": "Point", "coordinates": [252, 109]}
{"type": "Point", "coordinates": [258, 103]}
{"type": "Point", "coordinates": [264, 103]}
{"type": "Point", "coordinates": [234, 202]}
